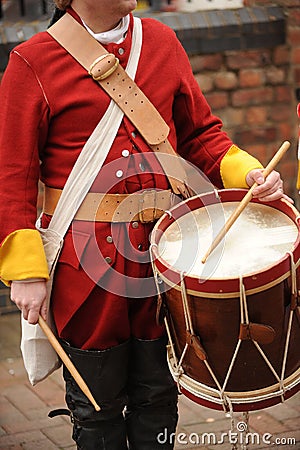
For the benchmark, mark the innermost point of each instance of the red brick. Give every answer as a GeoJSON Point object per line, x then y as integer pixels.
{"type": "Point", "coordinates": [49, 392]}
{"type": "Point", "coordinates": [205, 82]}
{"type": "Point", "coordinates": [294, 16]}
{"type": "Point", "coordinates": [281, 113]}
{"type": "Point", "coordinates": [42, 444]}
{"type": "Point", "coordinates": [259, 135]}
{"type": "Point", "coordinates": [217, 100]}
{"type": "Point", "coordinates": [27, 437]}
{"type": "Point", "coordinates": [288, 3]}
{"type": "Point", "coordinates": [23, 397]}
{"type": "Point", "coordinates": [260, 151]}
{"type": "Point", "coordinates": [289, 168]}
{"type": "Point", "coordinates": [226, 80]}
{"type": "Point", "coordinates": [207, 62]}
{"type": "Point", "coordinates": [296, 74]}
{"type": "Point", "coordinates": [256, 115]}
{"type": "Point", "coordinates": [295, 55]}
{"type": "Point", "coordinates": [252, 78]}
{"type": "Point", "coordinates": [232, 117]}
{"type": "Point", "coordinates": [32, 424]}
{"type": "Point", "coordinates": [247, 59]}
{"type": "Point", "coordinates": [12, 413]}
{"type": "Point", "coordinates": [262, 422]}
{"type": "Point", "coordinates": [60, 435]}
{"type": "Point", "coordinates": [281, 55]}
{"type": "Point", "coordinates": [275, 75]}
{"type": "Point", "coordinates": [283, 94]}
{"type": "Point", "coordinates": [293, 36]}
{"type": "Point", "coordinates": [285, 131]}
{"type": "Point", "coordinates": [252, 96]}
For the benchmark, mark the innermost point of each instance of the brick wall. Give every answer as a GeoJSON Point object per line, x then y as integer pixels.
{"type": "Point", "coordinates": [255, 93]}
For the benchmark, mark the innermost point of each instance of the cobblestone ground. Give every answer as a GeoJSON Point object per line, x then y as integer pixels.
{"type": "Point", "coordinates": [24, 423]}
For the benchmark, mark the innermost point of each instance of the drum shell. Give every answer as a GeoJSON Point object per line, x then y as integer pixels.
{"type": "Point", "coordinates": [215, 311]}
{"type": "Point", "coordinates": [217, 324]}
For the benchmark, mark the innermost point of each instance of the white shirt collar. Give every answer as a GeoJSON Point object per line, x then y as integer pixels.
{"type": "Point", "coordinates": [116, 35]}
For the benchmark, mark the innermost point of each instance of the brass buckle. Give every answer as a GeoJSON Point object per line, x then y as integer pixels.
{"type": "Point", "coordinates": [109, 70]}
{"type": "Point", "coordinates": [147, 202]}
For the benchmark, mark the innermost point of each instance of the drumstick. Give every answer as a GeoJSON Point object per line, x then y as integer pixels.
{"type": "Point", "coordinates": [68, 363]}
{"type": "Point", "coordinates": [272, 164]}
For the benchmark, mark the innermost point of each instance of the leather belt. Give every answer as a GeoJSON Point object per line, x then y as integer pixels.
{"type": "Point", "coordinates": [146, 206]}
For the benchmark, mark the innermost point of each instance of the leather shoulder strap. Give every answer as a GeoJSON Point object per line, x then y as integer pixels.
{"type": "Point", "coordinates": [105, 69]}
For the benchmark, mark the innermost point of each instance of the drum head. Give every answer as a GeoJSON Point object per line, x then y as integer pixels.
{"type": "Point", "coordinates": [260, 237]}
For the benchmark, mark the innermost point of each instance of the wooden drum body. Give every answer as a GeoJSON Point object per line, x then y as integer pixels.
{"type": "Point", "coordinates": [233, 322]}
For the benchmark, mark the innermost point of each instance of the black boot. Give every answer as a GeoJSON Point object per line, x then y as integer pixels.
{"type": "Point", "coordinates": [105, 373]}
{"type": "Point", "coordinates": [151, 415]}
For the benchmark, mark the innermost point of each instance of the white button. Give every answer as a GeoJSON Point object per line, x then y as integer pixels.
{"type": "Point", "coordinates": [108, 259]}
{"type": "Point", "coordinates": [133, 134]}
{"type": "Point", "coordinates": [119, 173]}
{"type": "Point", "coordinates": [121, 51]}
{"type": "Point", "coordinates": [125, 153]}
{"type": "Point", "coordinates": [142, 167]}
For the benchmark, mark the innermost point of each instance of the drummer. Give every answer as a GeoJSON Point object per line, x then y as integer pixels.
{"type": "Point", "coordinates": [103, 310]}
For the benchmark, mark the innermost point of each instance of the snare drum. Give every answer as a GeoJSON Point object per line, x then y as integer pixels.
{"type": "Point", "coordinates": [233, 322]}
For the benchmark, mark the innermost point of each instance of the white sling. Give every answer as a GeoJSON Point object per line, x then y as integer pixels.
{"type": "Point", "coordinates": [40, 360]}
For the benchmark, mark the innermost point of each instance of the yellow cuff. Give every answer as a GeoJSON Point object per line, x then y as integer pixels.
{"type": "Point", "coordinates": [22, 256]}
{"type": "Point", "coordinates": [234, 167]}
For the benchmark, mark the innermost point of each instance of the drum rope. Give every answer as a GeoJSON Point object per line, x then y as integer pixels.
{"type": "Point", "coordinates": [189, 328]}
{"type": "Point", "coordinates": [186, 309]}
{"type": "Point", "coordinates": [233, 359]}
{"type": "Point", "coordinates": [232, 423]}
{"type": "Point", "coordinates": [291, 315]}
{"type": "Point", "coordinates": [217, 194]}
{"type": "Point", "coordinates": [244, 317]}
{"type": "Point", "coordinates": [177, 372]}
{"type": "Point", "coordinates": [245, 320]}
{"type": "Point", "coordinates": [187, 316]}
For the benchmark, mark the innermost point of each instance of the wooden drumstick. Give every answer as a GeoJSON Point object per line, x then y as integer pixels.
{"type": "Point", "coordinates": [230, 221]}
{"type": "Point", "coordinates": [68, 363]}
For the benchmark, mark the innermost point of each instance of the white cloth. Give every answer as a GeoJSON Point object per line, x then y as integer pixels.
{"type": "Point", "coordinates": [116, 35]}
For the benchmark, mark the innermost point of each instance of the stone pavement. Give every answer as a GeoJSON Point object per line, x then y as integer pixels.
{"type": "Point", "coordinates": [24, 423]}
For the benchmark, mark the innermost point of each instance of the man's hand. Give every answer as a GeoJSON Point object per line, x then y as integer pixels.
{"type": "Point", "coordinates": [269, 189]}
{"type": "Point", "coordinates": [30, 298]}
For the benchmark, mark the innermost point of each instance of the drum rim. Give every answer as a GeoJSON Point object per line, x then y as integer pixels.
{"type": "Point", "coordinates": [275, 273]}
{"type": "Point", "coordinates": [244, 397]}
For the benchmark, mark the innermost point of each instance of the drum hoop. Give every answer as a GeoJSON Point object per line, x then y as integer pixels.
{"type": "Point", "coordinates": [161, 265]}
{"type": "Point", "coordinates": [213, 395]}
{"type": "Point", "coordinates": [228, 294]}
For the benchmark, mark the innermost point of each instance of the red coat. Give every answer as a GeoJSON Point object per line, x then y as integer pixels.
{"type": "Point", "coordinates": [49, 108]}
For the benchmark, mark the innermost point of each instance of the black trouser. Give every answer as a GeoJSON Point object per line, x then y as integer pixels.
{"type": "Point", "coordinates": [133, 374]}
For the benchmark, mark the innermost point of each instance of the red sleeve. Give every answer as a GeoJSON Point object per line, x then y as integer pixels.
{"type": "Point", "coordinates": [23, 129]}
